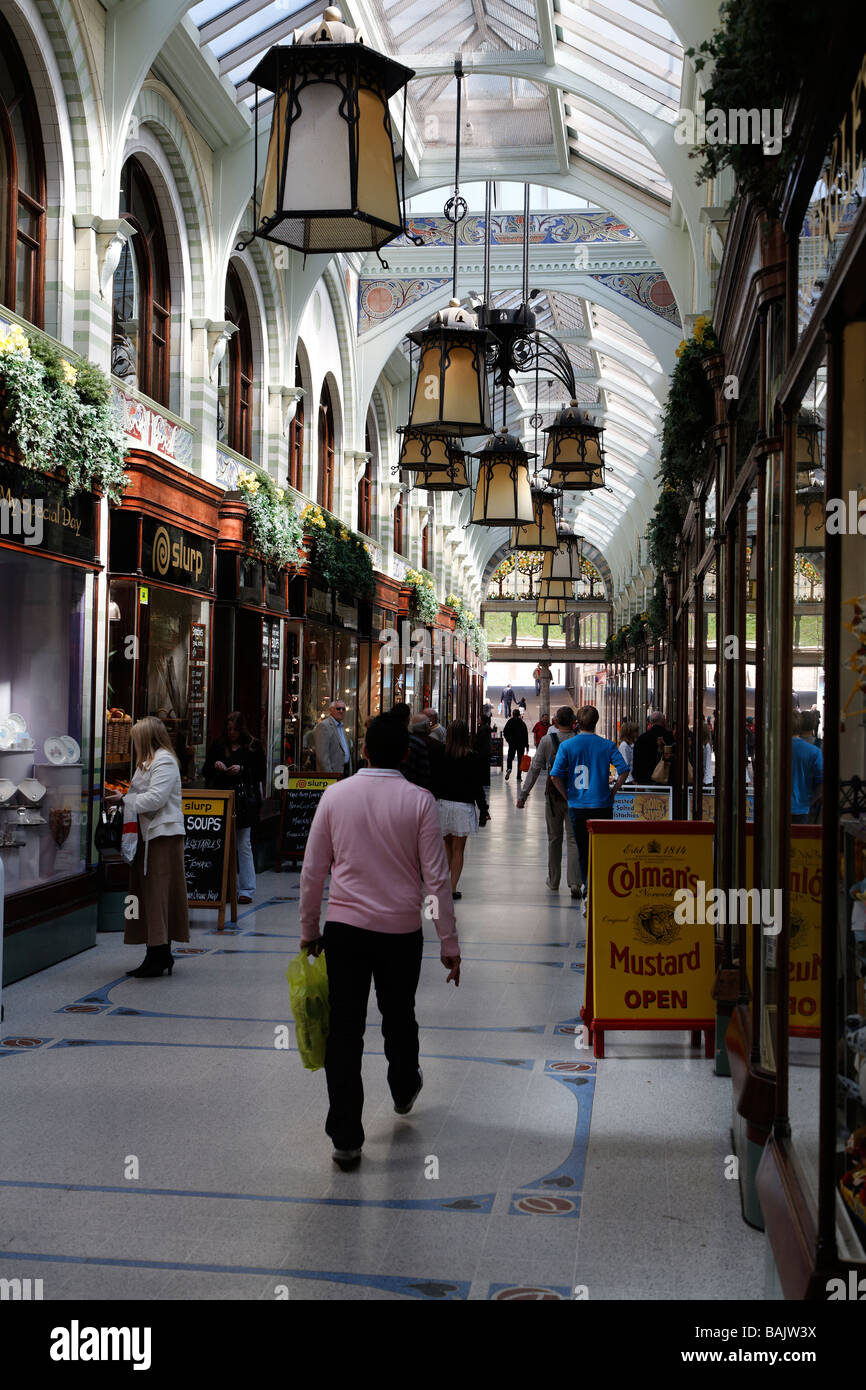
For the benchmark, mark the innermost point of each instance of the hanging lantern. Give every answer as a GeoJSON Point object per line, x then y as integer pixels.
{"type": "Point", "coordinates": [451, 387]}
{"type": "Point", "coordinates": [809, 519]}
{"type": "Point", "coordinates": [450, 478]}
{"type": "Point", "coordinates": [808, 448]}
{"type": "Point", "coordinates": [540, 533]}
{"type": "Point", "coordinates": [574, 455]}
{"type": "Point", "coordinates": [330, 179]}
{"type": "Point", "coordinates": [561, 571]}
{"type": "Point", "coordinates": [554, 606]}
{"type": "Point", "coordinates": [503, 496]}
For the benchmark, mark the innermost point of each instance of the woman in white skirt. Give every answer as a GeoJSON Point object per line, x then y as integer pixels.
{"type": "Point", "coordinates": [462, 803]}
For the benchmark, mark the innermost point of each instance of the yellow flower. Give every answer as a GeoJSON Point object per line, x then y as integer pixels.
{"type": "Point", "coordinates": [682, 347]}
{"type": "Point", "coordinates": [280, 493]}
{"type": "Point", "coordinates": [15, 342]}
{"type": "Point", "coordinates": [70, 375]}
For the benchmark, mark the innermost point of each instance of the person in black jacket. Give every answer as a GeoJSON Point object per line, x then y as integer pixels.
{"type": "Point", "coordinates": [649, 748]}
{"type": "Point", "coordinates": [516, 735]}
{"type": "Point", "coordinates": [483, 744]}
{"type": "Point", "coordinates": [421, 735]}
{"type": "Point", "coordinates": [461, 790]}
{"type": "Point", "coordinates": [236, 762]}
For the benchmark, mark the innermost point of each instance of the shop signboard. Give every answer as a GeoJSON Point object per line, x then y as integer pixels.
{"type": "Point", "coordinates": [197, 641]}
{"type": "Point", "coordinates": [647, 969]}
{"type": "Point", "coordinates": [196, 727]}
{"type": "Point", "coordinates": [266, 645]}
{"type": "Point", "coordinates": [299, 802]}
{"type": "Point", "coordinates": [196, 685]}
{"type": "Point", "coordinates": [275, 646]}
{"type": "Point", "coordinates": [175, 556]}
{"type": "Point", "coordinates": [209, 852]}
{"type": "Point", "coordinates": [643, 803]}
{"type": "Point", "coordinates": [35, 511]}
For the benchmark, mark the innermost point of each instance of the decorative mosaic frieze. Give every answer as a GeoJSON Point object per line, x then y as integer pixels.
{"type": "Point", "coordinates": [378, 300]}
{"type": "Point", "coordinates": [227, 471]}
{"type": "Point", "coordinates": [506, 229]}
{"type": "Point", "coordinates": [649, 288]}
{"type": "Point", "coordinates": [146, 428]}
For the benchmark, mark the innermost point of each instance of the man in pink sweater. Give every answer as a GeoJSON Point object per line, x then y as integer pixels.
{"type": "Point", "coordinates": [379, 836]}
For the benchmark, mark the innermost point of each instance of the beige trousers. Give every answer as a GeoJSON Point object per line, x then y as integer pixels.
{"type": "Point", "coordinates": [558, 820]}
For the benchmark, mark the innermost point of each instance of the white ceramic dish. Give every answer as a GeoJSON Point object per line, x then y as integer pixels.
{"type": "Point", "coordinates": [55, 750]}
{"type": "Point", "coordinates": [72, 749]}
{"type": "Point", "coordinates": [18, 722]}
{"type": "Point", "coordinates": [32, 791]}
{"type": "Point", "coordinates": [7, 791]}
{"type": "Point", "coordinates": [8, 735]}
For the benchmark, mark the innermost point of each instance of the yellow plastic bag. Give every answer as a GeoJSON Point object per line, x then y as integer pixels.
{"type": "Point", "coordinates": [308, 994]}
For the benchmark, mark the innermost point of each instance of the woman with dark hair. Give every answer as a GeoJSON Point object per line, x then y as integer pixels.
{"type": "Point", "coordinates": [461, 790]}
{"type": "Point", "coordinates": [482, 744]}
{"type": "Point", "coordinates": [236, 762]}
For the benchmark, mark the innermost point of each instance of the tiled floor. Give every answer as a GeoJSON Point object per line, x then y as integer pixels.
{"type": "Point", "coordinates": [156, 1144]}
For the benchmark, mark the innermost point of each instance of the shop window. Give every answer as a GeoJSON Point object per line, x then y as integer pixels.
{"type": "Point", "coordinates": [296, 439]}
{"type": "Point", "coordinates": [22, 187]}
{"type": "Point", "coordinates": [141, 333]}
{"type": "Point", "coordinates": [45, 718]}
{"type": "Point", "coordinates": [365, 490]}
{"type": "Point", "coordinates": [235, 408]}
{"type": "Point", "coordinates": [326, 450]}
{"type": "Point", "coordinates": [398, 526]}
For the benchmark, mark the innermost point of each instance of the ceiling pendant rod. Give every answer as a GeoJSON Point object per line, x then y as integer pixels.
{"type": "Point", "coordinates": [525, 299]}
{"type": "Point", "coordinates": [457, 216]}
{"type": "Point", "coordinates": [488, 198]}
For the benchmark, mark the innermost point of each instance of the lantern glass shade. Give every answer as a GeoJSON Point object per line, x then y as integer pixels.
{"type": "Point", "coordinates": [426, 451]}
{"type": "Point", "coordinates": [451, 394]}
{"type": "Point", "coordinates": [574, 455]}
{"type": "Point", "coordinates": [556, 588]}
{"type": "Point", "coordinates": [330, 181]}
{"type": "Point", "coordinates": [452, 478]}
{"type": "Point", "coordinates": [554, 606]}
{"type": "Point", "coordinates": [808, 456]}
{"type": "Point", "coordinates": [540, 533]}
{"type": "Point", "coordinates": [809, 519]}
{"type": "Point", "coordinates": [503, 495]}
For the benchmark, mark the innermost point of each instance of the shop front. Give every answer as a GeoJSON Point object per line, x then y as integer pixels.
{"type": "Point", "coordinates": [49, 544]}
{"type": "Point", "coordinates": [161, 654]}
{"type": "Point", "coordinates": [331, 639]}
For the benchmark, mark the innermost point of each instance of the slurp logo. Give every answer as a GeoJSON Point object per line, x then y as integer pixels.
{"type": "Point", "coordinates": [169, 554]}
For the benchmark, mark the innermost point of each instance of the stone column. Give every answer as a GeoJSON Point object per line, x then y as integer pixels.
{"type": "Point", "coordinates": [546, 682]}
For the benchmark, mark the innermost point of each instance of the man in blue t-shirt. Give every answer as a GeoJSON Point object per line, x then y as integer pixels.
{"type": "Point", "coordinates": [581, 772]}
{"type": "Point", "coordinates": [807, 772]}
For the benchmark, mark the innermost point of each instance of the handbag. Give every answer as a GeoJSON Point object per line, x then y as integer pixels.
{"type": "Point", "coordinates": [109, 829]}
{"type": "Point", "coordinates": [525, 763]}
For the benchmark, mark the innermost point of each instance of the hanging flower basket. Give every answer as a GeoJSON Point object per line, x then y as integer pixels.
{"type": "Point", "coordinates": [340, 557]}
{"type": "Point", "coordinates": [275, 527]}
{"type": "Point", "coordinates": [423, 603]}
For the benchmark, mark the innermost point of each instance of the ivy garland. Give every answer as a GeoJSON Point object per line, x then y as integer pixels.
{"type": "Point", "coordinates": [60, 416]}
{"type": "Point", "coordinates": [275, 525]}
{"type": "Point", "coordinates": [468, 626]}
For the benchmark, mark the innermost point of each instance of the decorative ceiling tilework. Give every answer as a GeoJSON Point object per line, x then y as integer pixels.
{"type": "Point", "coordinates": [506, 229]}
{"type": "Point", "coordinates": [378, 300]}
{"type": "Point", "coordinates": [648, 288]}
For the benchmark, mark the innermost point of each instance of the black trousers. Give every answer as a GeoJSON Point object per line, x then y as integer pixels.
{"type": "Point", "coordinates": [581, 834]}
{"type": "Point", "coordinates": [392, 961]}
{"type": "Point", "coordinates": [515, 751]}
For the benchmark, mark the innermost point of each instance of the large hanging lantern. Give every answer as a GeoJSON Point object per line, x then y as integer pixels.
{"type": "Point", "coordinates": [330, 179]}
{"type": "Point", "coordinates": [574, 455]}
{"type": "Point", "coordinates": [554, 606]}
{"type": "Point", "coordinates": [451, 387]}
{"type": "Point", "coordinates": [540, 533]}
{"type": "Point", "coordinates": [424, 451]}
{"type": "Point", "coordinates": [503, 496]}
{"type": "Point", "coordinates": [560, 571]}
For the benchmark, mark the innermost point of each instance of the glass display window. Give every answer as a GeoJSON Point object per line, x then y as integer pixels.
{"type": "Point", "coordinates": [317, 683]}
{"type": "Point", "coordinates": [46, 666]}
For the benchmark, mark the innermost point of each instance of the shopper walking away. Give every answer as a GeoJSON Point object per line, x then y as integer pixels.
{"type": "Point", "coordinates": [436, 729]}
{"type": "Point", "coordinates": [581, 773]}
{"type": "Point", "coordinates": [507, 700]}
{"type": "Point", "coordinates": [628, 732]}
{"type": "Point", "coordinates": [516, 735]}
{"type": "Point", "coordinates": [807, 773]}
{"type": "Point", "coordinates": [463, 806]}
{"type": "Point", "coordinates": [236, 762]}
{"type": "Point", "coordinates": [536, 676]}
{"type": "Point", "coordinates": [332, 749]}
{"type": "Point", "coordinates": [379, 838]}
{"type": "Point", "coordinates": [156, 881]}
{"type": "Point", "coordinates": [556, 814]}
{"type": "Point", "coordinates": [482, 744]}
{"type": "Point", "coordinates": [647, 749]}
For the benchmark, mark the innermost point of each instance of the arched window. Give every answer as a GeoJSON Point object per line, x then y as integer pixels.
{"type": "Point", "coordinates": [236, 384]}
{"type": "Point", "coordinates": [141, 345]}
{"type": "Point", "coordinates": [296, 438]}
{"type": "Point", "coordinates": [326, 450]}
{"type": "Point", "coordinates": [398, 526]}
{"type": "Point", "coordinates": [365, 489]}
{"type": "Point", "coordinates": [22, 187]}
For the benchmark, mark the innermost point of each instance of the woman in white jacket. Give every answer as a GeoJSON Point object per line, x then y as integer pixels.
{"type": "Point", "coordinates": [157, 878]}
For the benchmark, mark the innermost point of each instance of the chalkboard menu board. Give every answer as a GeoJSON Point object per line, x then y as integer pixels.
{"type": "Point", "coordinates": [196, 685]}
{"type": "Point", "coordinates": [275, 646]}
{"type": "Point", "coordinates": [209, 851]}
{"type": "Point", "coordinates": [197, 641]}
{"type": "Point", "coordinates": [496, 752]}
{"type": "Point", "coordinates": [300, 800]}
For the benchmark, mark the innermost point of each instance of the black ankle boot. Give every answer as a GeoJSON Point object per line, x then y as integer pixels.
{"type": "Point", "coordinates": [157, 959]}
